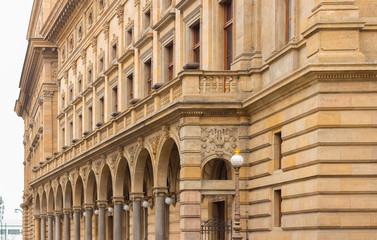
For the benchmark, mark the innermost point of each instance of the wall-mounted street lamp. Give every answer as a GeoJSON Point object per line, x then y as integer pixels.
{"type": "Point", "coordinates": [237, 161]}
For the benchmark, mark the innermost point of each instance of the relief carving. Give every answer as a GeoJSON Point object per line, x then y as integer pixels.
{"type": "Point", "coordinates": [154, 143]}
{"type": "Point", "coordinates": [218, 140]}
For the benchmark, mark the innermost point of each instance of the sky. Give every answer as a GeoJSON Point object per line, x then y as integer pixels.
{"type": "Point", "coordinates": [14, 20]}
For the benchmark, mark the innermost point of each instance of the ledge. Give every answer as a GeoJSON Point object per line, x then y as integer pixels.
{"type": "Point", "coordinates": [144, 38]}
{"type": "Point", "coordinates": [183, 4]}
{"type": "Point", "coordinates": [99, 80]}
{"type": "Point", "coordinates": [114, 66]}
{"type": "Point", "coordinates": [129, 52]}
{"type": "Point", "coordinates": [168, 17]}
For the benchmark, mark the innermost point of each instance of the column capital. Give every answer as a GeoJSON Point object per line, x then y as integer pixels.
{"type": "Point", "coordinates": [43, 215]}
{"type": "Point", "coordinates": [76, 209]}
{"type": "Point", "coordinates": [101, 203]}
{"type": "Point", "coordinates": [36, 216]}
{"type": "Point", "coordinates": [58, 213]}
{"type": "Point", "coordinates": [50, 214]}
{"type": "Point", "coordinates": [160, 191]}
{"type": "Point", "coordinates": [67, 211]}
{"type": "Point", "coordinates": [88, 206]}
{"type": "Point", "coordinates": [136, 196]}
{"type": "Point", "coordinates": [118, 200]}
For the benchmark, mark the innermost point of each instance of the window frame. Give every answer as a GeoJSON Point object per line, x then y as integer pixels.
{"type": "Point", "coordinates": [228, 27]}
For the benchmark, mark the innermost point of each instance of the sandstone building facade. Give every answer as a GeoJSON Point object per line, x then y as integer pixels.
{"type": "Point", "coordinates": [129, 102]}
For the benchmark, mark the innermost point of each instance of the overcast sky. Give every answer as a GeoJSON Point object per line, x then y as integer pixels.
{"type": "Point", "coordinates": [14, 19]}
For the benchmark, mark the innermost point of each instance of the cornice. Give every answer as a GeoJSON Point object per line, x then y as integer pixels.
{"type": "Point", "coordinates": [144, 39]}
{"type": "Point", "coordinates": [168, 17]}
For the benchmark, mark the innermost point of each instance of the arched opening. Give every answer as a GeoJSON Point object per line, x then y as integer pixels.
{"type": "Point", "coordinates": [91, 198]}
{"type": "Point", "coordinates": [106, 194]}
{"type": "Point", "coordinates": [59, 199]}
{"type": "Point", "coordinates": [217, 169]}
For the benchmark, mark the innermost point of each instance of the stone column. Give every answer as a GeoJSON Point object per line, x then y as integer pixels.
{"type": "Point", "coordinates": [88, 222]}
{"type": "Point", "coordinates": [37, 227]}
{"type": "Point", "coordinates": [118, 207]}
{"type": "Point", "coordinates": [43, 227]}
{"type": "Point", "coordinates": [58, 228]}
{"type": "Point", "coordinates": [67, 224]}
{"type": "Point", "coordinates": [76, 223]}
{"type": "Point", "coordinates": [50, 226]}
{"type": "Point", "coordinates": [101, 220]}
{"type": "Point", "coordinates": [136, 217]}
{"type": "Point", "coordinates": [160, 194]}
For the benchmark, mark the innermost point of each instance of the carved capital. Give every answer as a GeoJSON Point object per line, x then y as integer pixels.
{"type": "Point", "coordinates": [120, 13]}
{"type": "Point", "coordinates": [105, 29]}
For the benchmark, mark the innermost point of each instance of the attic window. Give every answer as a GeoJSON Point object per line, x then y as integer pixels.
{"type": "Point", "coordinates": [80, 31]}
{"type": "Point", "coordinates": [101, 4]}
{"type": "Point", "coordinates": [90, 19]}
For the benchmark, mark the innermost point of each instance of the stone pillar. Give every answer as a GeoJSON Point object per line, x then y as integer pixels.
{"type": "Point", "coordinates": [50, 226]}
{"type": "Point", "coordinates": [43, 227]}
{"type": "Point", "coordinates": [101, 220]}
{"type": "Point", "coordinates": [190, 222]}
{"type": "Point", "coordinates": [136, 217]}
{"type": "Point", "coordinates": [118, 207]}
{"type": "Point", "coordinates": [88, 222]}
{"type": "Point", "coordinates": [67, 224]}
{"type": "Point", "coordinates": [160, 194]}
{"type": "Point", "coordinates": [76, 223]}
{"type": "Point", "coordinates": [37, 227]}
{"type": "Point", "coordinates": [58, 228]}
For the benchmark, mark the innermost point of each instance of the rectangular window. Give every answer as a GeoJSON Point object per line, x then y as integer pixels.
{"type": "Point", "coordinates": [79, 86]}
{"type": "Point", "coordinates": [228, 32]}
{"type": "Point", "coordinates": [70, 137]}
{"type": "Point", "coordinates": [115, 99]}
{"type": "Point", "coordinates": [129, 36]}
{"type": "Point", "coordinates": [170, 49]}
{"type": "Point", "coordinates": [130, 87]}
{"type": "Point", "coordinates": [147, 20]}
{"type": "Point", "coordinates": [70, 95]}
{"type": "Point", "coordinates": [63, 137]}
{"type": "Point", "coordinates": [100, 65]}
{"type": "Point", "coordinates": [288, 20]}
{"type": "Point", "coordinates": [277, 150]}
{"type": "Point", "coordinates": [63, 102]}
{"type": "Point", "coordinates": [90, 76]}
{"type": "Point", "coordinates": [102, 110]}
{"type": "Point", "coordinates": [90, 118]}
{"type": "Point", "coordinates": [196, 48]}
{"type": "Point", "coordinates": [148, 76]}
{"type": "Point", "coordinates": [114, 52]}
{"type": "Point", "coordinates": [79, 127]}
{"type": "Point", "coordinates": [277, 208]}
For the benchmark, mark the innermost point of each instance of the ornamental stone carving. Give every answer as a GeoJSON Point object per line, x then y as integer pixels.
{"type": "Point", "coordinates": [154, 143]}
{"type": "Point", "coordinates": [218, 140]}
{"type": "Point", "coordinates": [97, 165]}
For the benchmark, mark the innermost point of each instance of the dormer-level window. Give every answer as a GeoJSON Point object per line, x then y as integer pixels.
{"type": "Point", "coordinates": [129, 37]}
{"type": "Point", "coordinates": [114, 52]}
{"type": "Point", "coordinates": [100, 65]}
{"type": "Point", "coordinates": [101, 5]}
{"type": "Point", "coordinates": [147, 19]}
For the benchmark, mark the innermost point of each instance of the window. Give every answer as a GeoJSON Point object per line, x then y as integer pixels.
{"type": "Point", "coordinates": [196, 44]}
{"type": "Point", "coordinates": [70, 95]}
{"type": "Point", "coordinates": [228, 32]}
{"type": "Point", "coordinates": [277, 208]}
{"type": "Point", "coordinates": [114, 52]}
{"type": "Point", "coordinates": [90, 76]}
{"type": "Point", "coordinates": [90, 19]}
{"type": "Point", "coordinates": [170, 51]}
{"type": "Point", "coordinates": [90, 118]}
{"type": "Point", "coordinates": [101, 4]}
{"type": "Point", "coordinates": [79, 126]}
{"type": "Point", "coordinates": [115, 99]}
{"type": "Point", "coordinates": [63, 102]}
{"type": "Point", "coordinates": [80, 32]}
{"type": "Point", "coordinates": [79, 85]}
{"type": "Point", "coordinates": [148, 76]}
{"type": "Point", "coordinates": [63, 137]}
{"type": "Point", "coordinates": [130, 87]}
{"type": "Point", "coordinates": [129, 37]}
{"type": "Point", "coordinates": [277, 150]}
{"type": "Point", "coordinates": [288, 20]}
{"type": "Point", "coordinates": [101, 110]}
{"type": "Point", "coordinates": [147, 19]}
{"type": "Point", "coordinates": [70, 137]}
{"type": "Point", "coordinates": [100, 65]}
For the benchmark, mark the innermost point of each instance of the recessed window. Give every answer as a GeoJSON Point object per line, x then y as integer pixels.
{"type": "Point", "coordinates": [100, 65]}
{"type": "Point", "coordinates": [101, 110]}
{"type": "Point", "coordinates": [228, 32]}
{"type": "Point", "coordinates": [288, 20]}
{"type": "Point", "coordinates": [147, 19]}
{"type": "Point", "coordinates": [277, 150]}
{"type": "Point", "coordinates": [63, 137]}
{"type": "Point", "coordinates": [79, 126]}
{"type": "Point", "coordinates": [130, 87]}
{"type": "Point", "coordinates": [101, 4]}
{"type": "Point", "coordinates": [70, 136]}
{"type": "Point", "coordinates": [129, 37]}
{"type": "Point", "coordinates": [148, 76]}
{"type": "Point", "coordinates": [277, 208]}
{"type": "Point", "coordinates": [90, 18]}
{"type": "Point", "coordinates": [114, 52]}
{"type": "Point", "coordinates": [63, 102]}
{"type": "Point", "coordinates": [196, 43]}
{"type": "Point", "coordinates": [90, 118]}
{"type": "Point", "coordinates": [80, 32]}
{"type": "Point", "coordinates": [70, 95]}
{"type": "Point", "coordinates": [170, 65]}
{"type": "Point", "coordinates": [115, 99]}
{"type": "Point", "coordinates": [79, 85]}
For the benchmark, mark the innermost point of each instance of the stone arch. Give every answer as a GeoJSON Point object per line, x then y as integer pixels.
{"type": "Point", "coordinates": [78, 192]}
{"type": "Point", "coordinates": [143, 163]}
{"type": "Point", "coordinates": [68, 196]}
{"type": "Point", "coordinates": [59, 199]}
{"type": "Point", "coordinates": [37, 204]}
{"type": "Point", "coordinates": [43, 203]}
{"type": "Point", "coordinates": [50, 201]}
{"type": "Point", "coordinates": [105, 190]}
{"type": "Point", "coordinates": [217, 169]}
{"type": "Point", "coordinates": [91, 189]}
{"type": "Point", "coordinates": [166, 163]}
{"type": "Point", "coordinates": [122, 178]}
